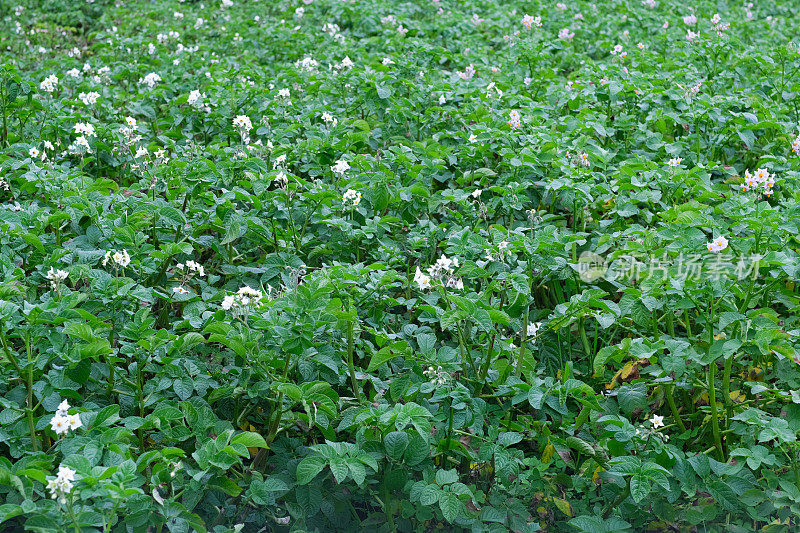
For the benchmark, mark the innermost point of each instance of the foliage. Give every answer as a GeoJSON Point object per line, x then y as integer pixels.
{"type": "Point", "coordinates": [392, 266]}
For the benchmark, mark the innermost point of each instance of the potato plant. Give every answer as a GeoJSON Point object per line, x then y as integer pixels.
{"type": "Point", "coordinates": [374, 265]}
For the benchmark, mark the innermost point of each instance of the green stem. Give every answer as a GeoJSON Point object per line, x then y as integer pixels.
{"type": "Point", "coordinates": [726, 388]}
{"type": "Point", "coordinates": [621, 498]}
{"type": "Point", "coordinates": [350, 363]}
{"type": "Point", "coordinates": [668, 392]}
{"type": "Point", "coordinates": [712, 402]}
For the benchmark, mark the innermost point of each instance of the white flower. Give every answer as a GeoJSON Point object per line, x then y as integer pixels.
{"type": "Point", "coordinates": [63, 408]}
{"type": "Point", "coordinates": [423, 281]}
{"type": "Point", "coordinates": [329, 119]}
{"type": "Point", "coordinates": [351, 197]}
{"type": "Point", "coordinates": [228, 302]}
{"type": "Point", "coordinates": [74, 422]}
{"type": "Point", "coordinates": [195, 98]}
{"type": "Point", "coordinates": [690, 20]}
{"type": "Point", "coordinates": [121, 258]}
{"type": "Point", "coordinates": [477, 193]}
{"type": "Point", "coordinates": [243, 301]}
{"type": "Point", "coordinates": [180, 290]}
{"type": "Point", "coordinates": [62, 484]}
{"type": "Point", "coordinates": [387, 61]}
{"type": "Point", "coordinates": [442, 100]}
{"type": "Point", "coordinates": [674, 162]}
{"type": "Point", "coordinates": [56, 277]}
{"type": "Point", "coordinates": [33, 152]}
{"type": "Point", "coordinates": [49, 83]}
{"type": "Point", "coordinates": [130, 121]}
{"type": "Point", "coordinates": [89, 98]}
{"type": "Point", "coordinates": [80, 146]}
{"type": "Point", "coordinates": [528, 21]}
{"type": "Point", "coordinates": [468, 73]}
{"type": "Point", "coordinates": [341, 167]}
{"type": "Point", "coordinates": [242, 123]}
{"type": "Point", "coordinates": [59, 424]}
{"type": "Point", "coordinates": [196, 267]}
{"type": "Point", "coordinates": [85, 129]}
{"type": "Point", "coordinates": [657, 421]}
{"type": "Point", "coordinates": [150, 80]}
{"type": "Point", "coordinates": [281, 179]}
{"type": "Point", "coordinates": [284, 93]}
{"type": "Point", "coordinates": [718, 244]}
{"type": "Point", "coordinates": [473, 138]}
{"type": "Point", "coordinates": [533, 328]}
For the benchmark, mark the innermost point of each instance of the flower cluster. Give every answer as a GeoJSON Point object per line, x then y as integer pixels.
{"type": "Point", "coordinates": [674, 162]}
{"type": "Point", "coordinates": [529, 22]}
{"type": "Point", "coordinates": [150, 80]}
{"type": "Point", "coordinates": [443, 269]}
{"type": "Point", "coordinates": [718, 244]}
{"type": "Point", "coordinates": [187, 272]}
{"type": "Point", "coordinates": [120, 257]}
{"type": "Point", "coordinates": [62, 421]}
{"type": "Point", "coordinates": [468, 73]}
{"type": "Point", "coordinates": [61, 485]}
{"type": "Point", "coordinates": [195, 99]}
{"type": "Point", "coordinates": [760, 177]}
{"type": "Point", "coordinates": [497, 253]}
{"type": "Point", "coordinates": [243, 301]}
{"type": "Point", "coordinates": [436, 375]}
{"type": "Point", "coordinates": [340, 167]}
{"type": "Point", "coordinates": [796, 146]}
{"type": "Point", "coordinates": [243, 124]}
{"type": "Point", "coordinates": [565, 35]}
{"type": "Point", "coordinates": [532, 329]}
{"type": "Point", "coordinates": [718, 26]}
{"type": "Point", "coordinates": [56, 277]}
{"type": "Point", "coordinates": [514, 119]}
{"type": "Point", "coordinates": [89, 98]}
{"type": "Point", "coordinates": [351, 198]}
{"type": "Point", "coordinates": [49, 84]}
{"type": "Point", "coordinates": [329, 119]}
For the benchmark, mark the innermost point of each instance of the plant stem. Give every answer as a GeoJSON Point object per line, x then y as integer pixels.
{"type": "Point", "coordinates": [712, 402]}
{"type": "Point", "coordinates": [350, 364]}
{"type": "Point", "coordinates": [669, 390]}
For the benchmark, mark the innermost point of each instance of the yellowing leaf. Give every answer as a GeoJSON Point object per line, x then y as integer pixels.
{"type": "Point", "coordinates": [547, 454]}
{"type": "Point", "coordinates": [563, 506]}
{"type": "Point", "coordinates": [596, 474]}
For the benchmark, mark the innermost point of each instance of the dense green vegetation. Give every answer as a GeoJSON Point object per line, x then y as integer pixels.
{"type": "Point", "coordinates": [374, 265]}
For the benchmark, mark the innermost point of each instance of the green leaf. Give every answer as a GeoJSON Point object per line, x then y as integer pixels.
{"type": "Point", "coordinates": [308, 468]}
{"type": "Point", "coordinates": [250, 439]}
{"type": "Point", "coordinates": [380, 196]}
{"type": "Point", "coordinates": [183, 387]}
{"type": "Point", "coordinates": [106, 416]}
{"type": "Point", "coordinates": [429, 495]}
{"type": "Point", "coordinates": [450, 505]}
{"type": "Point", "coordinates": [395, 444]}
{"type": "Point", "coordinates": [339, 468]}
{"type": "Point", "coordinates": [640, 487]}
{"type": "Point", "coordinates": [444, 477]}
